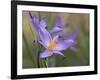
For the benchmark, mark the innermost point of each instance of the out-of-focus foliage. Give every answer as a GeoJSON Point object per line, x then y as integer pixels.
{"type": "Point", "coordinates": [72, 58]}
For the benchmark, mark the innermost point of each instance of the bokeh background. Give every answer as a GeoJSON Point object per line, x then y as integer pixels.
{"type": "Point", "coordinates": [72, 58]}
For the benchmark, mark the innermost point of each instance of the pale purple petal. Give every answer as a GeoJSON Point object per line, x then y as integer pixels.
{"type": "Point", "coordinates": [56, 38]}
{"type": "Point", "coordinates": [58, 22]}
{"type": "Point", "coordinates": [64, 44]}
{"type": "Point", "coordinates": [58, 26]}
{"type": "Point", "coordinates": [55, 29]}
{"type": "Point", "coordinates": [43, 23]}
{"type": "Point", "coordinates": [74, 34]}
{"type": "Point", "coordinates": [45, 54]}
{"type": "Point", "coordinates": [45, 36]}
{"type": "Point", "coordinates": [35, 22]}
{"type": "Point", "coordinates": [58, 52]}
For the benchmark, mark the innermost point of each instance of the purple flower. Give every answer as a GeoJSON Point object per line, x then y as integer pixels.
{"type": "Point", "coordinates": [53, 45]}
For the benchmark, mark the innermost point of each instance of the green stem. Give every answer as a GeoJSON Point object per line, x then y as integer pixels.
{"type": "Point", "coordinates": [46, 62]}
{"type": "Point", "coordinates": [38, 60]}
{"type": "Point", "coordinates": [39, 16]}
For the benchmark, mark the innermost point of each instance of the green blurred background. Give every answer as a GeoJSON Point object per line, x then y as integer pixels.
{"type": "Point", "coordinates": [72, 58]}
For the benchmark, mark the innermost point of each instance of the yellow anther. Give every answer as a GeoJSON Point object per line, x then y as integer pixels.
{"type": "Point", "coordinates": [52, 46]}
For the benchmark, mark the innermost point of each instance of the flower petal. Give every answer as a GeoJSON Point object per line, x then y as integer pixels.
{"type": "Point", "coordinates": [45, 36]}
{"type": "Point", "coordinates": [58, 22]}
{"type": "Point", "coordinates": [45, 54]}
{"type": "Point", "coordinates": [58, 26]}
{"type": "Point", "coordinates": [43, 23]}
{"type": "Point", "coordinates": [64, 44]}
{"type": "Point", "coordinates": [35, 22]}
{"type": "Point", "coordinates": [55, 29]}
{"type": "Point", "coordinates": [74, 34]}
{"type": "Point", "coordinates": [58, 52]}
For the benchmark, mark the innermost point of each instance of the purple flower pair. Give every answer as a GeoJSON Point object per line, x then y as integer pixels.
{"type": "Point", "coordinates": [55, 44]}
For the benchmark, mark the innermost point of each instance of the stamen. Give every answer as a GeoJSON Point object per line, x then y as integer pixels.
{"type": "Point", "coordinates": [52, 46]}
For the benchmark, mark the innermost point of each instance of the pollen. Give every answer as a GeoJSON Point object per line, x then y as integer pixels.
{"type": "Point", "coordinates": [52, 46]}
